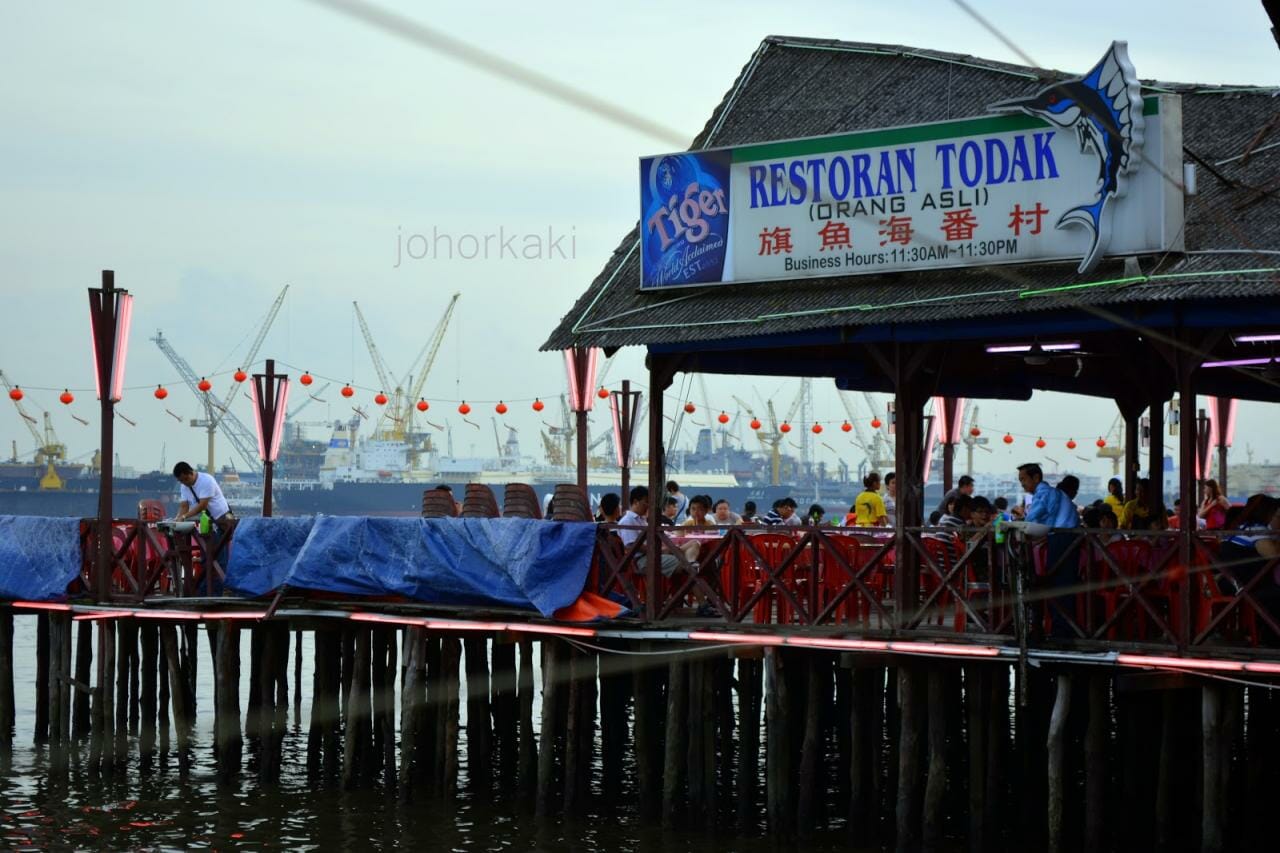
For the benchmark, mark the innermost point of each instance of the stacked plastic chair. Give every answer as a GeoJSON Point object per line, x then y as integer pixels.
{"type": "Point", "coordinates": [519, 500]}
{"type": "Point", "coordinates": [479, 502]}
{"type": "Point", "coordinates": [569, 503]}
{"type": "Point", "coordinates": [438, 503]}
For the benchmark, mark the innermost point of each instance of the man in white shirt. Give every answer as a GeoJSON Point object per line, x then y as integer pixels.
{"type": "Point", "coordinates": [638, 517]}
{"type": "Point", "coordinates": [205, 496]}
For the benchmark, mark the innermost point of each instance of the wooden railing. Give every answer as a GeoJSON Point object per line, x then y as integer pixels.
{"type": "Point", "coordinates": [1166, 587]}
{"type": "Point", "coordinates": [147, 563]}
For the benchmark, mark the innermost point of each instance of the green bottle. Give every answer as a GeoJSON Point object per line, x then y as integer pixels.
{"type": "Point", "coordinates": [204, 523]}
{"type": "Point", "coordinates": [999, 529]}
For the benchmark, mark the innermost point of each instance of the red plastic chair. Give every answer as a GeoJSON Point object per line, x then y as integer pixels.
{"type": "Point", "coordinates": [1133, 559]}
{"type": "Point", "coordinates": [834, 578]}
{"type": "Point", "coordinates": [773, 549]}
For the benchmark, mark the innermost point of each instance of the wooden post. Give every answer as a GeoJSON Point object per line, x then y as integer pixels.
{"type": "Point", "coordinates": [479, 725]}
{"type": "Point", "coordinates": [8, 713]}
{"type": "Point", "coordinates": [268, 757]}
{"type": "Point", "coordinates": [227, 701]}
{"type": "Point", "coordinates": [552, 693]}
{"type": "Point", "coordinates": [297, 677]}
{"type": "Point", "coordinates": [936, 782]}
{"type": "Point", "coordinates": [573, 759]}
{"type": "Point", "coordinates": [676, 740]}
{"type": "Point", "coordinates": [779, 787]}
{"type": "Point", "coordinates": [506, 724]}
{"type": "Point", "coordinates": [811, 749]}
{"type": "Point", "coordinates": [1095, 759]}
{"type": "Point", "coordinates": [977, 709]}
{"type": "Point", "coordinates": [56, 682]}
{"type": "Point", "coordinates": [124, 637]}
{"type": "Point", "coordinates": [909, 469]}
{"type": "Point", "coordinates": [1167, 781]}
{"type": "Point", "coordinates": [253, 713]}
{"type": "Point", "coordinates": [42, 678]}
{"type": "Point", "coordinates": [323, 748]}
{"type": "Point", "coordinates": [695, 675]}
{"type": "Point", "coordinates": [450, 653]}
{"type": "Point", "coordinates": [1212, 818]}
{"type": "Point", "coordinates": [749, 697]}
{"type": "Point", "coordinates": [84, 675]}
{"type": "Point", "coordinates": [645, 740]}
{"type": "Point", "coordinates": [106, 673]}
{"type": "Point", "coordinates": [528, 761]}
{"type": "Point", "coordinates": [410, 709]}
{"type": "Point", "coordinates": [386, 706]}
{"type": "Point", "coordinates": [1155, 453]}
{"type": "Point", "coordinates": [613, 726]}
{"type": "Point", "coordinates": [162, 689]}
{"type": "Point", "coordinates": [911, 700]}
{"type": "Point", "coordinates": [354, 749]}
{"type": "Point", "coordinates": [1057, 768]}
{"type": "Point", "coordinates": [661, 371]}
{"type": "Point", "coordinates": [1132, 453]}
{"type": "Point", "coordinates": [177, 691]}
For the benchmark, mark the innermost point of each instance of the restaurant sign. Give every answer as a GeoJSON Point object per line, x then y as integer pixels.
{"type": "Point", "coordinates": [1082, 169]}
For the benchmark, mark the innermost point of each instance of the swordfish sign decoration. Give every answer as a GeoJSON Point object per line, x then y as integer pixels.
{"type": "Point", "coordinates": [1104, 107]}
{"type": "Point", "coordinates": [1036, 180]}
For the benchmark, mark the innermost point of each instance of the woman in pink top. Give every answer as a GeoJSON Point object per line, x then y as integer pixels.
{"type": "Point", "coordinates": [1213, 509]}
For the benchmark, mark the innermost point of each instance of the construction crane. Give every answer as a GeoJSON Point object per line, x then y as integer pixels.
{"type": "Point", "coordinates": [241, 437]}
{"type": "Point", "coordinates": [873, 445]}
{"type": "Point", "coordinates": [49, 449]}
{"type": "Point", "coordinates": [379, 367]}
{"type": "Point", "coordinates": [426, 358]}
{"type": "Point", "coordinates": [1114, 449]}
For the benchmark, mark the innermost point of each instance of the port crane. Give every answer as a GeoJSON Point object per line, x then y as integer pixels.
{"type": "Point", "coordinates": [873, 444]}
{"type": "Point", "coordinates": [217, 413]}
{"type": "Point", "coordinates": [49, 449]}
{"type": "Point", "coordinates": [1114, 449]}
{"type": "Point", "coordinates": [397, 420]}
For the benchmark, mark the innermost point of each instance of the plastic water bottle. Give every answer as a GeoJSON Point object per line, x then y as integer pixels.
{"type": "Point", "coordinates": [205, 524]}
{"type": "Point", "coordinates": [1000, 532]}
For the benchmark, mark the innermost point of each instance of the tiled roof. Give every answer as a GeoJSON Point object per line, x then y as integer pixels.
{"type": "Point", "coordinates": [806, 87]}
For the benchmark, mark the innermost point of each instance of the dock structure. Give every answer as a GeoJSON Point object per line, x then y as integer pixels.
{"type": "Point", "coordinates": [906, 686]}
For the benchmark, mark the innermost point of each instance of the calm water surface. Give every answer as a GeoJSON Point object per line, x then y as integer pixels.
{"type": "Point", "coordinates": [157, 808]}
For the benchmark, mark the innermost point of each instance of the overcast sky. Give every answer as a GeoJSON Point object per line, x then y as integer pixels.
{"type": "Point", "coordinates": [212, 153]}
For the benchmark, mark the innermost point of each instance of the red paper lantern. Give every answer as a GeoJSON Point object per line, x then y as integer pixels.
{"type": "Point", "coordinates": [464, 409]}
{"type": "Point", "coordinates": [15, 394]}
{"type": "Point", "coordinates": [975, 432]}
{"type": "Point", "coordinates": [786, 427]}
{"type": "Point", "coordinates": [501, 408]}
{"type": "Point", "coordinates": [204, 385]}
{"type": "Point", "coordinates": [423, 405]}
{"type": "Point", "coordinates": [66, 397]}
{"type": "Point", "coordinates": [846, 426]}
{"type": "Point", "coordinates": [380, 398]}
{"type": "Point", "coordinates": [603, 393]}
{"type": "Point", "coordinates": [348, 391]}
{"type": "Point", "coordinates": [305, 379]}
{"type": "Point", "coordinates": [1071, 444]}
{"type": "Point", "coordinates": [538, 405]}
{"type": "Point", "coordinates": [876, 423]}
{"type": "Point", "coordinates": [755, 424]}
{"type": "Point", "coordinates": [1101, 442]}
{"type": "Point", "coordinates": [690, 408]}
{"type": "Point", "coordinates": [1008, 439]}
{"type": "Point", "coordinates": [240, 375]}
{"type": "Point", "coordinates": [724, 418]}
{"type": "Point", "coordinates": [817, 428]}
{"type": "Point", "coordinates": [161, 392]}
{"type": "Point", "coordinates": [1040, 442]}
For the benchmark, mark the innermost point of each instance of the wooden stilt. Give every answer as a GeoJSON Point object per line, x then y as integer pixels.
{"type": "Point", "coordinates": [410, 709]}
{"type": "Point", "coordinates": [725, 747]}
{"type": "Point", "coordinates": [56, 682]}
{"type": "Point", "coordinates": [281, 667]}
{"type": "Point", "coordinates": [552, 696]}
{"type": "Point", "coordinates": [190, 635]}
{"type": "Point", "coordinates": [268, 663]}
{"type": "Point", "coordinates": [42, 678]}
{"type": "Point", "coordinates": [936, 783]}
{"type": "Point", "coordinates": [106, 672]}
{"type": "Point", "coordinates": [645, 740]}
{"type": "Point", "coordinates": [811, 749]}
{"type": "Point", "coordinates": [177, 692]}
{"type": "Point", "coordinates": [149, 640]}
{"type": "Point", "coordinates": [135, 681]}
{"type": "Point", "coordinates": [323, 749]}
{"type": "Point", "coordinates": [1166, 779]}
{"type": "Point", "coordinates": [84, 675]}
{"type": "Point", "coordinates": [505, 714]}
{"type": "Point", "coordinates": [1212, 819]}
{"type": "Point", "coordinates": [348, 663]}
{"type": "Point", "coordinates": [428, 663]}
{"type": "Point", "coordinates": [227, 741]}
{"type": "Point", "coordinates": [1056, 746]}
{"type": "Point", "coordinates": [433, 715]}
{"type": "Point", "coordinates": [911, 700]}
{"type": "Point", "coordinates": [749, 698]}
{"type": "Point", "coordinates": [977, 708]}
{"type": "Point", "coordinates": [387, 707]}
{"type": "Point", "coordinates": [297, 677]}
{"type": "Point", "coordinates": [162, 689]}
{"type": "Point", "coordinates": [778, 776]}
{"type": "Point", "coordinates": [450, 654]}
{"type": "Point", "coordinates": [124, 629]}
{"type": "Point", "coordinates": [528, 763]}
{"type": "Point", "coordinates": [357, 720]}
{"type": "Point", "coordinates": [8, 713]}
{"type": "Point", "coordinates": [253, 712]}
{"type": "Point", "coordinates": [677, 736]}
{"type": "Point", "coordinates": [575, 667]}
{"type": "Point", "coordinates": [614, 688]}
{"type": "Point", "coordinates": [479, 725]}
{"type": "Point", "coordinates": [1095, 759]}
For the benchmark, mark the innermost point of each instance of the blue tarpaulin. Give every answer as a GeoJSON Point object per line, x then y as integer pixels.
{"type": "Point", "coordinates": [513, 562]}
{"type": "Point", "coordinates": [38, 556]}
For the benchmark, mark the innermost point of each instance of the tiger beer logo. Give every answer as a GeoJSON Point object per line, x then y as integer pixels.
{"type": "Point", "coordinates": [684, 217]}
{"type": "Point", "coordinates": [687, 218]}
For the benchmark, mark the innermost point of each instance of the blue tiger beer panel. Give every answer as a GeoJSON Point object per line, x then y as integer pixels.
{"type": "Point", "coordinates": [684, 218]}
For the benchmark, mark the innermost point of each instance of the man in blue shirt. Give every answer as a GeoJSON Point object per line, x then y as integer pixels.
{"type": "Point", "coordinates": [1056, 509]}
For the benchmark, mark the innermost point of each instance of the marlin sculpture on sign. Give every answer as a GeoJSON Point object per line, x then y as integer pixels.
{"type": "Point", "coordinates": [1104, 107]}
